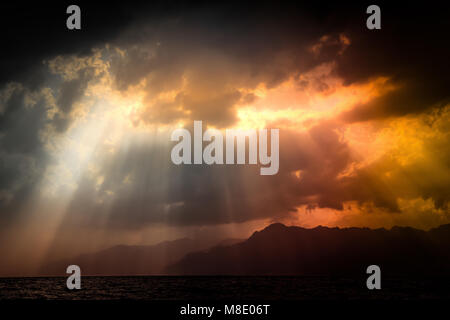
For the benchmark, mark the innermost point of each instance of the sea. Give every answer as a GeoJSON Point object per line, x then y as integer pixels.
{"type": "Point", "coordinates": [223, 288]}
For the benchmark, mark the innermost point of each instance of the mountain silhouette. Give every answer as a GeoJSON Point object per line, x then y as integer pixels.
{"type": "Point", "coordinates": [278, 250]}
{"type": "Point", "coordinates": [282, 250]}
{"type": "Point", "coordinates": [128, 260]}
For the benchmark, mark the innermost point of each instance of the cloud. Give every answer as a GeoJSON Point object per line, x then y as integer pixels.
{"type": "Point", "coordinates": [137, 185]}
{"type": "Point", "coordinates": [193, 67]}
{"type": "Point", "coordinates": [32, 120]}
{"type": "Point", "coordinates": [209, 63]}
{"type": "Point", "coordinates": [414, 62]}
{"type": "Point", "coordinates": [23, 159]}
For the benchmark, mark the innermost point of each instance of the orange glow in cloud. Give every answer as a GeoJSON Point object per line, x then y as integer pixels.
{"type": "Point", "coordinates": [300, 103]}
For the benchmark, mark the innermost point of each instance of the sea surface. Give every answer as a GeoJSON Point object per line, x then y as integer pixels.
{"type": "Point", "coordinates": [209, 288]}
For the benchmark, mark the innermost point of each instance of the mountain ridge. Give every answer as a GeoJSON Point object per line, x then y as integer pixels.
{"type": "Point", "coordinates": [291, 250]}
{"type": "Point", "coordinates": [279, 250]}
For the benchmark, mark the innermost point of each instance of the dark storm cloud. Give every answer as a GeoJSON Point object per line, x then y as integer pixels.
{"type": "Point", "coordinates": [214, 41]}
{"type": "Point", "coordinates": [23, 158]}
{"type": "Point", "coordinates": [411, 96]}
{"type": "Point", "coordinates": [270, 43]}
{"type": "Point", "coordinates": [211, 56]}
{"type": "Point", "coordinates": [34, 32]}
{"type": "Point", "coordinates": [70, 92]}
{"type": "Point", "coordinates": [410, 47]}
{"type": "Point", "coordinates": [411, 50]}
{"type": "Point", "coordinates": [28, 119]}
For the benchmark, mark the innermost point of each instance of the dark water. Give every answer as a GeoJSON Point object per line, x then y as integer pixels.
{"type": "Point", "coordinates": [218, 288]}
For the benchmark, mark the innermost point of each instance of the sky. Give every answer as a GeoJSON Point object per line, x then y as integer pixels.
{"type": "Point", "coordinates": [86, 117]}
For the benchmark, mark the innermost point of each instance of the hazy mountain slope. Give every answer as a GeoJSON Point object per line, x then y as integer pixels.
{"type": "Point", "coordinates": [128, 260]}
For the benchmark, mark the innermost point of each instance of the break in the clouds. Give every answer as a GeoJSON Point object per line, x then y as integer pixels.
{"type": "Point", "coordinates": [364, 118]}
